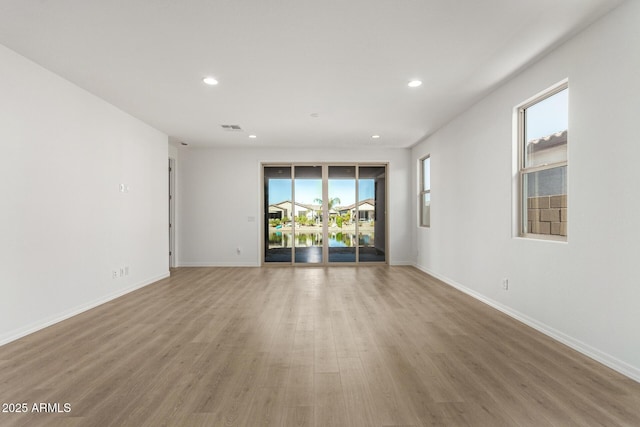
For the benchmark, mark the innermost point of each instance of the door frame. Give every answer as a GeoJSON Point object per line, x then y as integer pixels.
{"type": "Point", "coordinates": [325, 224]}
{"type": "Point", "coordinates": [172, 212]}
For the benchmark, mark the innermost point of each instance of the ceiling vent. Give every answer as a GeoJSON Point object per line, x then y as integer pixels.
{"type": "Point", "coordinates": [232, 128]}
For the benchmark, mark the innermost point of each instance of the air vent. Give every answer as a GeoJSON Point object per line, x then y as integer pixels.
{"type": "Point", "coordinates": [232, 128]}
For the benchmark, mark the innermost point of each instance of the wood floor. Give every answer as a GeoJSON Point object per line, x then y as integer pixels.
{"type": "Point", "coordinates": [343, 346]}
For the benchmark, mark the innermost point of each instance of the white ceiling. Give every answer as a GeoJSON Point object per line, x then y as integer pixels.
{"type": "Point", "coordinates": [280, 61]}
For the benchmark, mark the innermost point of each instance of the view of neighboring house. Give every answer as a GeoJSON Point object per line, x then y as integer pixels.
{"type": "Point", "coordinates": [366, 210]}
{"type": "Point", "coordinates": [287, 209]}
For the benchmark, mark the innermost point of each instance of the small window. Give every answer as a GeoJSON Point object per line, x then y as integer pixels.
{"type": "Point", "coordinates": [425, 192]}
{"type": "Point", "coordinates": [542, 144]}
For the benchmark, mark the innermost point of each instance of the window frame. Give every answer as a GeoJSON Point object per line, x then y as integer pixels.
{"type": "Point", "coordinates": [424, 191]}
{"type": "Point", "coordinates": [522, 170]}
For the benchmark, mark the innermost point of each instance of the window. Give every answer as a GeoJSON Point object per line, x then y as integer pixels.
{"type": "Point", "coordinates": [542, 145]}
{"type": "Point", "coordinates": [425, 192]}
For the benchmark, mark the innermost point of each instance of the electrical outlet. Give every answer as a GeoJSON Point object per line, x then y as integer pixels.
{"type": "Point", "coordinates": [114, 274]}
{"type": "Point", "coordinates": [505, 284]}
{"type": "Point", "coordinates": [126, 270]}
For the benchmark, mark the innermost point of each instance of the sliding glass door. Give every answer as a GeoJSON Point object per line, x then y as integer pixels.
{"type": "Point", "coordinates": [278, 197]}
{"type": "Point", "coordinates": [319, 214]}
{"type": "Point", "coordinates": [308, 215]}
{"type": "Point", "coordinates": [372, 234]}
{"type": "Point", "coordinates": [340, 203]}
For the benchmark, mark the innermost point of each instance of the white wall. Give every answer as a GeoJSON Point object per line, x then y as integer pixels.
{"type": "Point", "coordinates": [585, 292]}
{"type": "Point", "coordinates": [64, 224]}
{"type": "Point", "coordinates": [173, 151]}
{"type": "Point", "coordinates": [220, 189]}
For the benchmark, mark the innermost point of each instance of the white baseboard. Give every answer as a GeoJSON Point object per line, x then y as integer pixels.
{"type": "Point", "coordinates": [21, 332]}
{"type": "Point", "coordinates": [594, 353]}
{"type": "Point", "coordinates": [401, 263]}
{"type": "Point", "coordinates": [251, 264]}
{"type": "Point", "coordinates": [257, 264]}
{"type": "Point", "coordinates": [218, 264]}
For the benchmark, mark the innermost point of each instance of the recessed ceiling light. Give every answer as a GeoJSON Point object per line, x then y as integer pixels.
{"type": "Point", "coordinates": [252, 136]}
{"type": "Point", "coordinates": [415, 83]}
{"type": "Point", "coordinates": [375, 136]}
{"type": "Point", "coordinates": [210, 81]}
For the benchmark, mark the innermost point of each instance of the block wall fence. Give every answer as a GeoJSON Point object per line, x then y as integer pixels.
{"type": "Point", "coordinates": [547, 215]}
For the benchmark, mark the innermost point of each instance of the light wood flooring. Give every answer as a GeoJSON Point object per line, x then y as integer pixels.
{"type": "Point", "coordinates": [341, 346]}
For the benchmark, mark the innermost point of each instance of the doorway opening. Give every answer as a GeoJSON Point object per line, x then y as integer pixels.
{"type": "Point", "coordinates": [324, 214]}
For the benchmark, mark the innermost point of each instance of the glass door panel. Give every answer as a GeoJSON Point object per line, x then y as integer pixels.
{"type": "Point", "coordinates": [371, 214]}
{"type": "Point", "coordinates": [277, 214]}
{"type": "Point", "coordinates": [324, 214]}
{"type": "Point", "coordinates": [308, 215]}
{"type": "Point", "coordinates": [341, 205]}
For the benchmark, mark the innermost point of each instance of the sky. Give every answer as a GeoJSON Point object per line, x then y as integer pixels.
{"type": "Point", "coordinates": [307, 190]}
{"type": "Point", "coordinates": [548, 116]}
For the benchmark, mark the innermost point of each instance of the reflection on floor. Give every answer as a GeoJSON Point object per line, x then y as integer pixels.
{"type": "Point", "coordinates": [309, 255]}
{"type": "Point", "coordinates": [313, 255]}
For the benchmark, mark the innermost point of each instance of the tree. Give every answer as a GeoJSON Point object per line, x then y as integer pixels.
{"type": "Point", "coordinates": [274, 222]}
{"type": "Point", "coordinates": [334, 201]}
{"type": "Point", "coordinates": [302, 219]}
{"type": "Point", "coordinates": [330, 204]}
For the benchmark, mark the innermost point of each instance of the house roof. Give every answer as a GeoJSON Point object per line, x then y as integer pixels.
{"type": "Point", "coordinates": [370, 201]}
{"type": "Point", "coordinates": [308, 207]}
{"type": "Point", "coordinates": [549, 141]}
